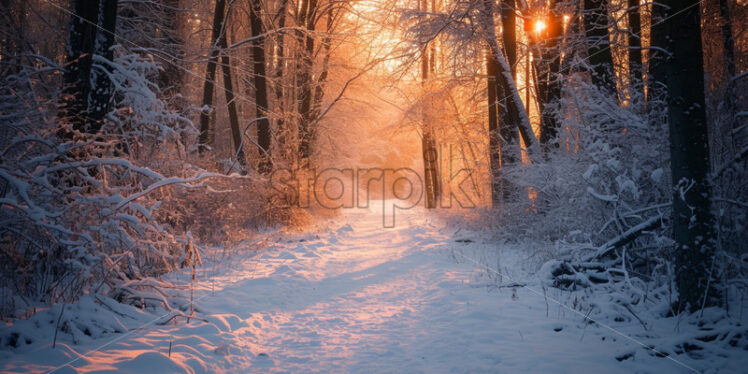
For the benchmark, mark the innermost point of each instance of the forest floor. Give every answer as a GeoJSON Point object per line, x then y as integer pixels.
{"type": "Point", "coordinates": [350, 296]}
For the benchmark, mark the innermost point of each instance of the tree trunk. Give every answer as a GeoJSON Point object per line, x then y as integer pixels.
{"type": "Point", "coordinates": [548, 84]}
{"type": "Point", "coordinates": [77, 77]}
{"type": "Point", "coordinates": [432, 45]}
{"type": "Point", "coordinates": [635, 43]}
{"type": "Point", "coordinates": [100, 98]}
{"type": "Point", "coordinates": [726, 115]}
{"type": "Point", "coordinates": [306, 132]}
{"type": "Point", "coordinates": [693, 223]}
{"type": "Point", "coordinates": [228, 86]}
{"type": "Point", "coordinates": [210, 74]}
{"type": "Point", "coordinates": [260, 83]}
{"type": "Point", "coordinates": [319, 89]}
{"type": "Point", "coordinates": [600, 58]}
{"type": "Point", "coordinates": [279, 72]}
{"type": "Point", "coordinates": [507, 128]}
{"type": "Point", "coordinates": [728, 42]}
{"type": "Point", "coordinates": [12, 32]}
{"type": "Point", "coordinates": [494, 150]}
{"type": "Point", "coordinates": [428, 143]}
{"type": "Point", "coordinates": [170, 79]}
{"type": "Point", "coordinates": [509, 31]}
{"type": "Point", "coordinates": [506, 89]}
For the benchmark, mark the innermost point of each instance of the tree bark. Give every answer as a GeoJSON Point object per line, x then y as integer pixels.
{"type": "Point", "coordinates": [728, 42]}
{"type": "Point", "coordinates": [548, 84]}
{"type": "Point", "coordinates": [693, 223]}
{"type": "Point", "coordinates": [600, 58]}
{"type": "Point", "coordinates": [507, 120]}
{"type": "Point", "coordinates": [307, 19]}
{"type": "Point", "coordinates": [77, 77]}
{"type": "Point", "coordinates": [509, 31]}
{"type": "Point", "coordinates": [279, 74]}
{"type": "Point", "coordinates": [260, 83]}
{"type": "Point", "coordinates": [228, 87]}
{"type": "Point", "coordinates": [635, 44]}
{"type": "Point", "coordinates": [12, 32]}
{"type": "Point", "coordinates": [428, 142]}
{"type": "Point", "coordinates": [494, 150]}
{"type": "Point", "coordinates": [210, 74]}
{"type": "Point", "coordinates": [170, 79]}
{"type": "Point", "coordinates": [100, 98]}
{"type": "Point", "coordinates": [506, 88]}
{"type": "Point", "coordinates": [319, 89]}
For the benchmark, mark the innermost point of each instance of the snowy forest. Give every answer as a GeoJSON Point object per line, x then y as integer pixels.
{"type": "Point", "coordinates": [489, 186]}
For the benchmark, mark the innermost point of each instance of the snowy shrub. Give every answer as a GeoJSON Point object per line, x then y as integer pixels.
{"type": "Point", "coordinates": [142, 118]}
{"type": "Point", "coordinates": [605, 173]}
{"type": "Point", "coordinates": [600, 203]}
{"type": "Point", "coordinates": [79, 213]}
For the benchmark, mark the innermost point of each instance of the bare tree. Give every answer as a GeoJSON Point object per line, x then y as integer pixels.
{"type": "Point", "coordinates": [432, 187]}
{"type": "Point", "coordinates": [79, 59]}
{"type": "Point", "coordinates": [280, 70]}
{"type": "Point", "coordinates": [596, 24]}
{"type": "Point", "coordinates": [228, 87]}
{"type": "Point", "coordinates": [516, 114]}
{"type": "Point", "coordinates": [693, 223]}
{"type": "Point", "coordinates": [494, 147]}
{"type": "Point", "coordinates": [306, 19]}
{"type": "Point", "coordinates": [260, 83]}
{"type": "Point", "coordinates": [548, 66]}
{"type": "Point", "coordinates": [210, 74]}
{"type": "Point", "coordinates": [634, 40]}
{"type": "Point", "coordinates": [100, 97]}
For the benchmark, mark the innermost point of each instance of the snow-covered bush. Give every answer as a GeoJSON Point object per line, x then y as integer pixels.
{"type": "Point", "coordinates": [600, 203]}
{"type": "Point", "coordinates": [605, 173]}
{"type": "Point", "coordinates": [78, 213]}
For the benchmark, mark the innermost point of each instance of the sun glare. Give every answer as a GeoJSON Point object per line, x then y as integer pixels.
{"type": "Point", "coordinates": [539, 26]}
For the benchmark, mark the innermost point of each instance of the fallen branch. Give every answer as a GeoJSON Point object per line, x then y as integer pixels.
{"type": "Point", "coordinates": [627, 237]}
{"type": "Point", "coordinates": [729, 164]}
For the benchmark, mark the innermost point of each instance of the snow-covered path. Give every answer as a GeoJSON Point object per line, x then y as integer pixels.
{"type": "Point", "coordinates": [354, 297]}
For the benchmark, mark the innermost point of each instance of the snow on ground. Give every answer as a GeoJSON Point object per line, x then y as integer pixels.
{"type": "Point", "coordinates": [350, 296]}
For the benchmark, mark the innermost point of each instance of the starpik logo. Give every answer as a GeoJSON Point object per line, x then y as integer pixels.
{"type": "Point", "coordinates": [349, 188]}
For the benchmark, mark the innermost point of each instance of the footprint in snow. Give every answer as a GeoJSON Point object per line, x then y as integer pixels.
{"type": "Point", "coordinates": [263, 359]}
{"type": "Point", "coordinates": [283, 270]}
{"type": "Point", "coordinates": [345, 228]}
{"type": "Point", "coordinates": [222, 350]}
{"type": "Point", "coordinates": [286, 256]}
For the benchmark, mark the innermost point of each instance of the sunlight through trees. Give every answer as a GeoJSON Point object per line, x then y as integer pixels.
{"type": "Point", "coordinates": [611, 134]}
